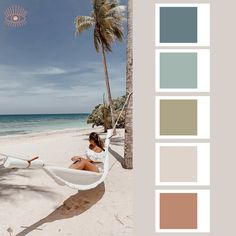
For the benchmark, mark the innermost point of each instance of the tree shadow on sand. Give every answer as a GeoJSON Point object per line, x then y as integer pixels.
{"type": "Point", "coordinates": [116, 155]}
{"type": "Point", "coordinates": [117, 141]}
{"type": "Point", "coordinates": [73, 206]}
{"type": "Point", "coordinates": [8, 191]}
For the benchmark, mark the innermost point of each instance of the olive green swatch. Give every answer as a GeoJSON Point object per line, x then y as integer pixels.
{"type": "Point", "coordinates": [178, 164]}
{"type": "Point", "coordinates": [178, 70]}
{"type": "Point", "coordinates": [178, 117]}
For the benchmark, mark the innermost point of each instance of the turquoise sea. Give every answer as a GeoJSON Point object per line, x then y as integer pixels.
{"type": "Point", "coordinates": [26, 124]}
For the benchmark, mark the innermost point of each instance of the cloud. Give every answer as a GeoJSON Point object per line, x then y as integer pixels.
{"type": "Point", "coordinates": [49, 71]}
{"type": "Point", "coordinates": [57, 89]}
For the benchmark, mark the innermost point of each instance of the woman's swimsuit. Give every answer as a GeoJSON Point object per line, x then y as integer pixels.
{"type": "Point", "coordinates": [97, 157]}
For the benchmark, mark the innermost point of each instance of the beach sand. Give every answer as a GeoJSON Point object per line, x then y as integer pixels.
{"type": "Point", "coordinates": [31, 203]}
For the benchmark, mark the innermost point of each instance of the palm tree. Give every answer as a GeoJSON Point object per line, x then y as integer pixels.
{"type": "Point", "coordinates": [107, 17]}
{"type": "Point", "coordinates": [128, 150]}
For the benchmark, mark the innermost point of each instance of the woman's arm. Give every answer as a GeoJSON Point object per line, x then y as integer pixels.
{"type": "Point", "coordinates": [76, 158]}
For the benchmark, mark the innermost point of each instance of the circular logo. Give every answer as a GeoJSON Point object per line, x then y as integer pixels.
{"type": "Point", "coordinates": [15, 16]}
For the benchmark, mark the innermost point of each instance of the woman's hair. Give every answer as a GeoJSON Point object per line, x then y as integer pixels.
{"type": "Point", "coordinates": [98, 141]}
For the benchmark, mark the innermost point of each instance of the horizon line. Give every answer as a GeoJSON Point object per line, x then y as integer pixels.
{"type": "Point", "coordinates": [72, 113]}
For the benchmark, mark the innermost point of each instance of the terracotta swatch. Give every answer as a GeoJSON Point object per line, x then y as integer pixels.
{"type": "Point", "coordinates": [178, 210]}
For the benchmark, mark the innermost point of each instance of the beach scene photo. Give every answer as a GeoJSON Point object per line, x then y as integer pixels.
{"type": "Point", "coordinates": [66, 119]}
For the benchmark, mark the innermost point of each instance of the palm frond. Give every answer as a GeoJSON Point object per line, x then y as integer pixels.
{"type": "Point", "coordinates": [118, 33]}
{"type": "Point", "coordinates": [83, 23]}
{"type": "Point", "coordinates": [96, 40]}
{"type": "Point", "coordinates": [97, 4]}
{"type": "Point", "coordinates": [114, 3]}
{"type": "Point", "coordinates": [107, 17]}
{"type": "Point", "coordinates": [117, 10]}
{"type": "Point", "coordinates": [101, 13]}
{"type": "Point", "coordinates": [105, 38]}
{"type": "Point", "coordinates": [107, 47]}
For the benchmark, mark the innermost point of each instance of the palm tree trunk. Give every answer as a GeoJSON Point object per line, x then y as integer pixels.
{"type": "Point", "coordinates": [105, 115]}
{"type": "Point", "coordinates": [128, 149]}
{"type": "Point", "coordinates": [107, 85]}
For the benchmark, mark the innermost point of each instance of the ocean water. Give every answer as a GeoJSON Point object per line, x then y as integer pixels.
{"type": "Point", "coordinates": [26, 124]}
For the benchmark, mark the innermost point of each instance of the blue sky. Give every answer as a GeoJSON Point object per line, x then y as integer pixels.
{"type": "Point", "coordinates": [44, 68]}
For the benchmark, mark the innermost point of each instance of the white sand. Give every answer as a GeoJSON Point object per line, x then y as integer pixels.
{"type": "Point", "coordinates": [31, 203]}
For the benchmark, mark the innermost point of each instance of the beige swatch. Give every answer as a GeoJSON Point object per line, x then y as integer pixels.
{"type": "Point", "coordinates": [178, 164]}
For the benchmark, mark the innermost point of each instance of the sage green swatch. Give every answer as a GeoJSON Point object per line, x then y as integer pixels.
{"type": "Point", "coordinates": [178, 164]}
{"type": "Point", "coordinates": [178, 117]}
{"type": "Point", "coordinates": [178, 70]}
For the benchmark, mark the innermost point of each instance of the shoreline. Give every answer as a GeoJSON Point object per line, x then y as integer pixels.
{"type": "Point", "coordinates": [49, 133]}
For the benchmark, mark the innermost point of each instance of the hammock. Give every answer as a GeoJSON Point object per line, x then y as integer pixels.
{"type": "Point", "coordinates": [76, 179]}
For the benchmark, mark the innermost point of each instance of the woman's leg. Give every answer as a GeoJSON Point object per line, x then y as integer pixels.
{"type": "Point", "coordinates": [91, 167]}
{"type": "Point", "coordinates": [79, 165]}
{"type": "Point", "coordinates": [84, 164]}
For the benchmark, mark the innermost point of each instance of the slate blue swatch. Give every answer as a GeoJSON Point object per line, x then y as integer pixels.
{"type": "Point", "coordinates": [178, 24]}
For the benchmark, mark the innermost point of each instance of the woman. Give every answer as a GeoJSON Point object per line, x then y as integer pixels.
{"type": "Point", "coordinates": [94, 156]}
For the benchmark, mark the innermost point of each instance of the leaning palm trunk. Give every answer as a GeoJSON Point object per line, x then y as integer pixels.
{"type": "Point", "coordinates": [108, 85]}
{"type": "Point", "coordinates": [128, 149]}
{"type": "Point", "coordinates": [105, 112]}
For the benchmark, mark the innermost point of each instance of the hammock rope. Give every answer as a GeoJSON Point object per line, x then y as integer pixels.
{"type": "Point", "coordinates": [29, 161]}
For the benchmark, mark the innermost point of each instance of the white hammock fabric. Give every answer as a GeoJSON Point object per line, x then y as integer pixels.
{"type": "Point", "coordinates": [76, 179]}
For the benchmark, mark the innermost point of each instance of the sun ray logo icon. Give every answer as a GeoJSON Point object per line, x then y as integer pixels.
{"type": "Point", "coordinates": [15, 16]}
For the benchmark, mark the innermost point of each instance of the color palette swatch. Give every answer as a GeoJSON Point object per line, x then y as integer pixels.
{"type": "Point", "coordinates": [178, 164]}
{"type": "Point", "coordinates": [174, 205]}
{"type": "Point", "coordinates": [178, 70]}
{"type": "Point", "coordinates": [182, 70]}
{"type": "Point", "coordinates": [178, 24]}
{"type": "Point", "coordinates": [181, 117]}
{"type": "Point", "coordinates": [182, 24]}
{"type": "Point", "coordinates": [178, 117]}
{"type": "Point", "coordinates": [182, 211]}
{"type": "Point", "coordinates": [182, 164]}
